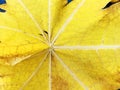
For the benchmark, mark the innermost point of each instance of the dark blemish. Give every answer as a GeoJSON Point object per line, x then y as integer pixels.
{"type": "Point", "coordinates": [0, 41]}
{"type": "Point", "coordinates": [40, 34]}
{"type": "Point", "coordinates": [110, 4]}
{"type": "Point", "coordinates": [2, 2]}
{"type": "Point", "coordinates": [118, 89]}
{"type": "Point", "coordinates": [2, 10]}
{"type": "Point", "coordinates": [46, 32]}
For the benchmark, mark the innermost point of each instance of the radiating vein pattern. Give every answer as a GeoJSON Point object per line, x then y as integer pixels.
{"type": "Point", "coordinates": [35, 72]}
{"type": "Point", "coordinates": [51, 51]}
{"type": "Point", "coordinates": [70, 72]}
{"type": "Point", "coordinates": [68, 20]}
{"type": "Point", "coordinates": [34, 20]}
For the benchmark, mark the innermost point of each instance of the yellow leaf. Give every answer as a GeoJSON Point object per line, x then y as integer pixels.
{"type": "Point", "coordinates": [56, 45]}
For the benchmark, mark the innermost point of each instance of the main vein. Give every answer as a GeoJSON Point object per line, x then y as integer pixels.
{"type": "Point", "coordinates": [34, 20]}
{"type": "Point", "coordinates": [20, 31]}
{"type": "Point", "coordinates": [49, 21]}
{"type": "Point", "coordinates": [68, 21]}
{"type": "Point", "coordinates": [50, 70]}
{"type": "Point", "coordinates": [70, 72]}
{"type": "Point", "coordinates": [34, 73]}
{"type": "Point", "coordinates": [93, 47]}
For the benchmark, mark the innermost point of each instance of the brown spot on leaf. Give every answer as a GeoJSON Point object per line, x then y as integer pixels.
{"type": "Point", "coordinates": [11, 58]}
{"type": "Point", "coordinates": [117, 77]}
{"type": "Point", "coordinates": [59, 83]}
{"type": "Point", "coordinates": [4, 75]}
{"type": "Point", "coordinates": [118, 80]}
